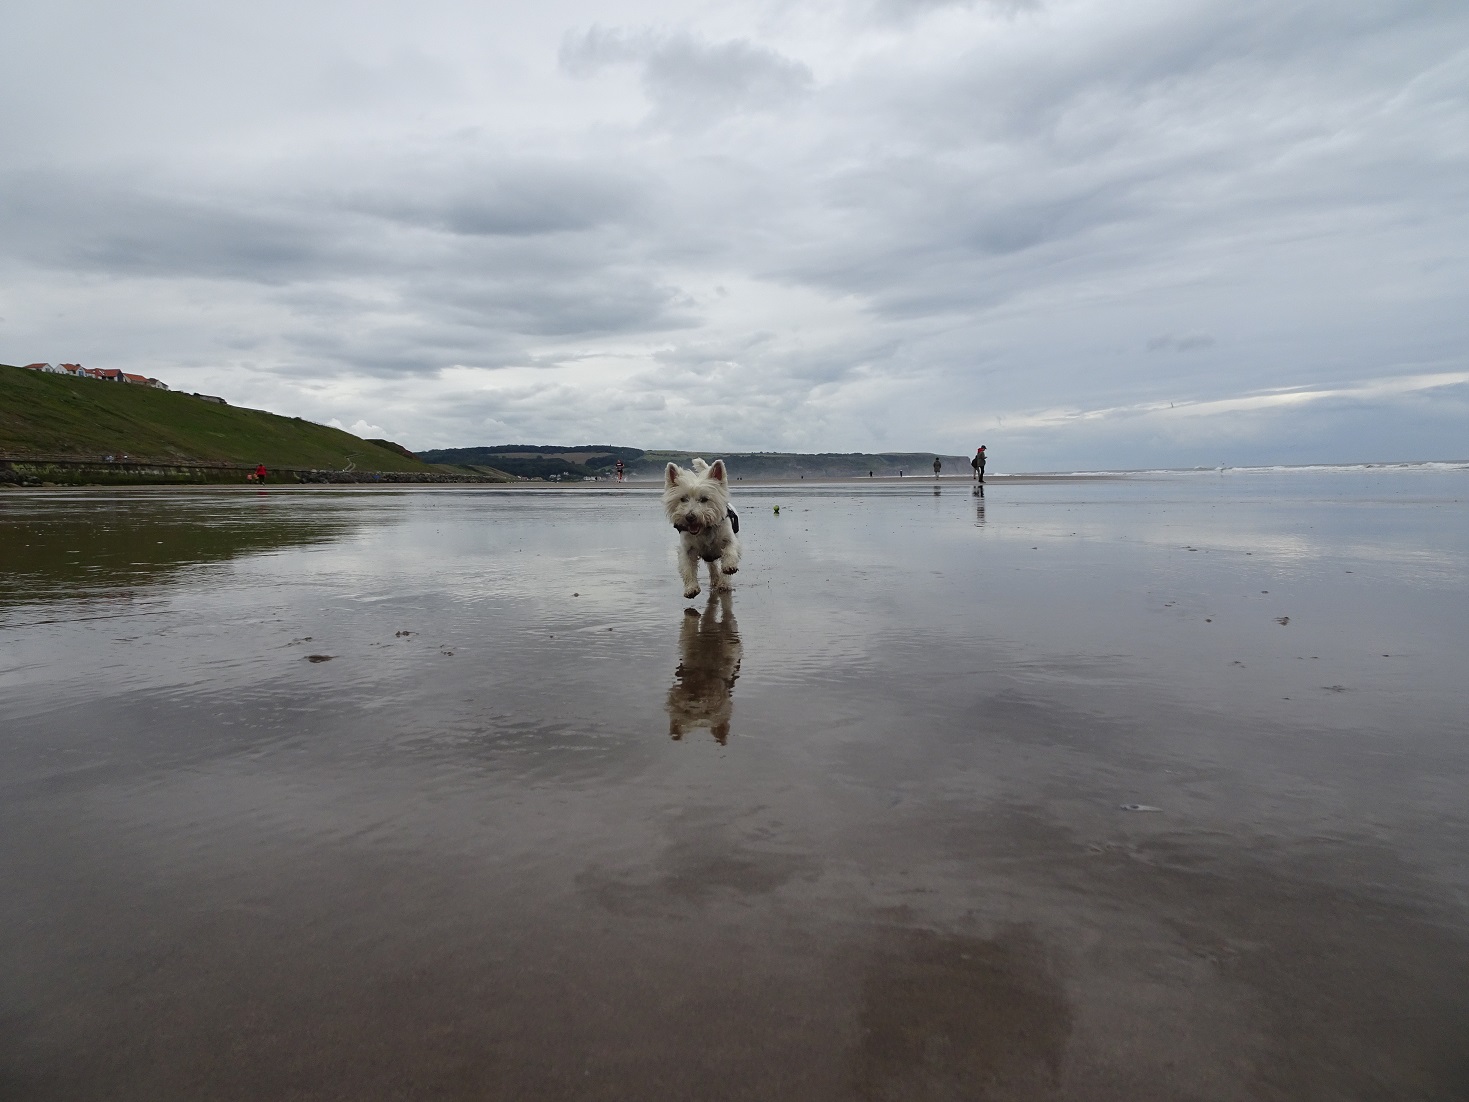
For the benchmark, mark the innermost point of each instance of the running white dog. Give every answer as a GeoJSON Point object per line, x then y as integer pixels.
{"type": "Point", "coordinates": [697, 504]}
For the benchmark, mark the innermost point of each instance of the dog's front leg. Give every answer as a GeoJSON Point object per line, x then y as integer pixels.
{"type": "Point", "coordinates": [688, 569]}
{"type": "Point", "coordinates": [716, 581]}
{"type": "Point", "coordinates": [729, 559]}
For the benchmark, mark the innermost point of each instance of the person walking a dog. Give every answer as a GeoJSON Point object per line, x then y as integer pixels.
{"type": "Point", "coordinates": [978, 464]}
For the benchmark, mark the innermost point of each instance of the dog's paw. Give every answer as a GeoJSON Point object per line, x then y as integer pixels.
{"type": "Point", "coordinates": [722, 586]}
{"type": "Point", "coordinates": [730, 569]}
{"type": "Point", "coordinates": [691, 591]}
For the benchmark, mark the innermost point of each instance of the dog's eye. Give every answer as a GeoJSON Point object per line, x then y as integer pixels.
{"type": "Point", "coordinates": [703, 497]}
{"type": "Point", "coordinates": [684, 498]}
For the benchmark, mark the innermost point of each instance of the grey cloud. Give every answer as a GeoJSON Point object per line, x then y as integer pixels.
{"type": "Point", "coordinates": [404, 348]}
{"type": "Point", "coordinates": [534, 251]}
{"type": "Point", "coordinates": [960, 236]}
{"type": "Point", "coordinates": [1200, 78]}
{"type": "Point", "coordinates": [689, 80]}
{"type": "Point", "coordinates": [132, 230]}
{"type": "Point", "coordinates": [996, 175]}
{"type": "Point", "coordinates": [763, 379]}
{"type": "Point", "coordinates": [476, 322]}
{"type": "Point", "coordinates": [514, 198]}
{"type": "Point", "coordinates": [1190, 343]}
{"type": "Point", "coordinates": [688, 77]}
{"type": "Point", "coordinates": [907, 11]}
{"type": "Point", "coordinates": [584, 54]}
{"type": "Point", "coordinates": [598, 304]}
{"type": "Point", "coordinates": [972, 214]}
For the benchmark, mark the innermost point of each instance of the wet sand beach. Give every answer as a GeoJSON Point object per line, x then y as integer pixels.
{"type": "Point", "coordinates": [1138, 788]}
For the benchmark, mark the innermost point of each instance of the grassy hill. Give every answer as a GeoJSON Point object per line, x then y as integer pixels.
{"type": "Point", "coordinates": [59, 416]}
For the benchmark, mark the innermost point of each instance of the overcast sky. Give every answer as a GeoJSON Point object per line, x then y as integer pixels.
{"type": "Point", "coordinates": [1087, 233]}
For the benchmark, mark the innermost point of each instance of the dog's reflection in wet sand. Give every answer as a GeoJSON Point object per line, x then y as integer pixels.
{"type": "Point", "coordinates": [709, 651]}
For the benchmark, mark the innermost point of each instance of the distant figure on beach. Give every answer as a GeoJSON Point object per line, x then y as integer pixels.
{"type": "Point", "coordinates": [260, 473]}
{"type": "Point", "coordinates": [869, 474]}
{"type": "Point", "coordinates": [978, 464]}
{"type": "Point", "coordinates": [619, 470]}
{"type": "Point", "coordinates": [938, 465]}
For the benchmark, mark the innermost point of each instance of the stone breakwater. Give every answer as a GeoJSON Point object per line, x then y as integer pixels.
{"type": "Point", "coordinates": [23, 471]}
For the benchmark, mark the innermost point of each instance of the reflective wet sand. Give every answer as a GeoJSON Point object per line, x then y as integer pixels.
{"type": "Point", "coordinates": [532, 826]}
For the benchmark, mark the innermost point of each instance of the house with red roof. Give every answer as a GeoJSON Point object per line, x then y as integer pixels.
{"type": "Point", "coordinates": [112, 375]}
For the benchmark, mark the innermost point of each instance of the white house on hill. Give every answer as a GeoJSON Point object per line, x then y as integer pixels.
{"type": "Point", "coordinates": [111, 375]}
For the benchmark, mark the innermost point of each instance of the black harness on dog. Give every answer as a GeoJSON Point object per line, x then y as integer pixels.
{"type": "Point", "coordinates": [734, 522]}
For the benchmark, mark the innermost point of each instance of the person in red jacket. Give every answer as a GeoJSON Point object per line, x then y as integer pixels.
{"type": "Point", "coordinates": [260, 473]}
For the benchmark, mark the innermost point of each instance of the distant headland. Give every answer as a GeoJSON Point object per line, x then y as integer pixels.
{"type": "Point", "coordinates": [598, 461]}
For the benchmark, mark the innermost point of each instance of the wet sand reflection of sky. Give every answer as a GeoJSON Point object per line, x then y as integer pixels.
{"type": "Point", "coordinates": [883, 857]}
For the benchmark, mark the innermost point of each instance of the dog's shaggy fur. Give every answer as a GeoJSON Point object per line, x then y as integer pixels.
{"type": "Point", "coordinates": [697, 504]}
{"type": "Point", "coordinates": [709, 650]}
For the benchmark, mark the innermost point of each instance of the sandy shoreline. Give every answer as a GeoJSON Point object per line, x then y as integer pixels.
{"type": "Point", "coordinates": [889, 855]}
{"type": "Point", "coordinates": [535, 484]}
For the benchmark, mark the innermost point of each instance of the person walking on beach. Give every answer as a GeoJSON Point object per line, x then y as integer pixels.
{"type": "Point", "coordinates": [260, 473]}
{"type": "Point", "coordinates": [978, 464]}
{"type": "Point", "coordinates": [619, 469]}
{"type": "Point", "coordinates": [938, 465]}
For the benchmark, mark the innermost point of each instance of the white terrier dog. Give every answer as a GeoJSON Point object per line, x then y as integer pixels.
{"type": "Point", "coordinates": [697, 504]}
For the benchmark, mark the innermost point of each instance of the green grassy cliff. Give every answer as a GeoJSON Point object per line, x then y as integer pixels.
{"type": "Point", "coordinates": [59, 416]}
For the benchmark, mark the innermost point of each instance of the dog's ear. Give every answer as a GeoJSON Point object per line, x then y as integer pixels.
{"type": "Point", "coordinates": [699, 466]}
{"type": "Point", "coordinates": [671, 475]}
{"type": "Point", "coordinates": [716, 472]}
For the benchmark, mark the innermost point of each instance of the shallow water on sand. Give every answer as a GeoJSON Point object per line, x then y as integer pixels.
{"type": "Point", "coordinates": [528, 827]}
